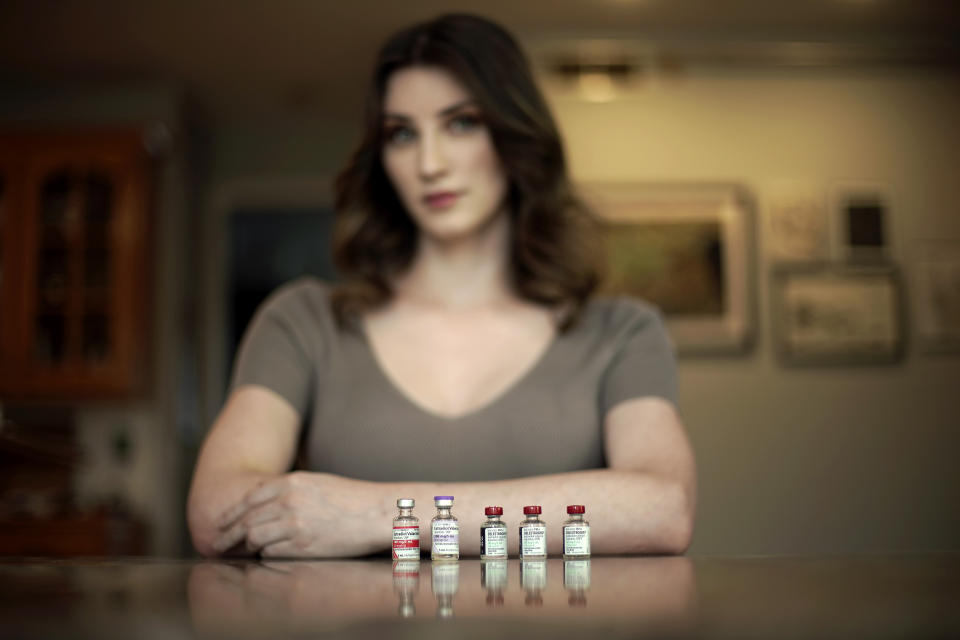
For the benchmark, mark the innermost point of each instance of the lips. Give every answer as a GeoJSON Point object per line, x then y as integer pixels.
{"type": "Point", "coordinates": [441, 199]}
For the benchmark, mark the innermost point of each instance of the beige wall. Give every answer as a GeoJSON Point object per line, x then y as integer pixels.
{"type": "Point", "coordinates": [821, 459]}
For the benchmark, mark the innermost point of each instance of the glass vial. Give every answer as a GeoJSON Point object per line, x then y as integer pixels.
{"type": "Point", "coordinates": [576, 534]}
{"type": "Point", "coordinates": [445, 530]}
{"type": "Point", "coordinates": [406, 532]}
{"type": "Point", "coordinates": [533, 534]}
{"type": "Point", "coordinates": [493, 535]}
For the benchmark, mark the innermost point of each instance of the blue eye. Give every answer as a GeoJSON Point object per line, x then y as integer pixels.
{"type": "Point", "coordinates": [464, 122]}
{"type": "Point", "coordinates": [399, 135]}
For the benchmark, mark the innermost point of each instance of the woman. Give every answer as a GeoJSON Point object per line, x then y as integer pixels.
{"type": "Point", "coordinates": [463, 355]}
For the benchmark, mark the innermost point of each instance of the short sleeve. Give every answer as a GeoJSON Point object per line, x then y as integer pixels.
{"type": "Point", "coordinates": [276, 352]}
{"type": "Point", "coordinates": [643, 363]}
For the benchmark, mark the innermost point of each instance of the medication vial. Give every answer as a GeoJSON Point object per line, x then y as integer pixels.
{"type": "Point", "coordinates": [576, 534]}
{"type": "Point", "coordinates": [406, 532]}
{"type": "Point", "coordinates": [445, 530]}
{"type": "Point", "coordinates": [493, 535]}
{"type": "Point", "coordinates": [533, 534]}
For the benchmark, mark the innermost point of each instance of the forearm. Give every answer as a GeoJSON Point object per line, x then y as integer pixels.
{"type": "Point", "coordinates": [211, 494]}
{"type": "Point", "coordinates": [629, 511]}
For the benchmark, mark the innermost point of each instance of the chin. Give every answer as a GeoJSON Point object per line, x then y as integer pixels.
{"type": "Point", "coordinates": [456, 228]}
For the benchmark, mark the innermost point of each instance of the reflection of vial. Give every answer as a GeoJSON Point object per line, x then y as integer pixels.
{"type": "Point", "coordinates": [533, 534]}
{"type": "Point", "coordinates": [533, 579]}
{"type": "Point", "coordinates": [406, 582]}
{"type": "Point", "coordinates": [576, 580]}
{"type": "Point", "coordinates": [493, 578]}
{"type": "Point", "coordinates": [446, 582]}
{"type": "Point", "coordinates": [406, 532]}
{"type": "Point", "coordinates": [493, 535]}
{"type": "Point", "coordinates": [445, 530]}
{"type": "Point", "coordinates": [576, 534]}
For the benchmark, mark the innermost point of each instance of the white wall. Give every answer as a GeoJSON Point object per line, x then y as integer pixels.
{"type": "Point", "coordinates": [822, 459]}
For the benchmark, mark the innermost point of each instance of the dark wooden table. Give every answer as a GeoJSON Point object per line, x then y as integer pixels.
{"type": "Point", "coordinates": [904, 596]}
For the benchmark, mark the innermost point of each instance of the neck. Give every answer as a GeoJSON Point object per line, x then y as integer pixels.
{"type": "Point", "coordinates": [461, 273]}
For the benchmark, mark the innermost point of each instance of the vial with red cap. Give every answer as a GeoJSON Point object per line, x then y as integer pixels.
{"type": "Point", "coordinates": [493, 535]}
{"type": "Point", "coordinates": [576, 534]}
{"type": "Point", "coordinates": [533, 534]}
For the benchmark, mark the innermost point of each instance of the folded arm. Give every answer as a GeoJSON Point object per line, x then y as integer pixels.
{"type": "Point", "coordinates": [243, 498]}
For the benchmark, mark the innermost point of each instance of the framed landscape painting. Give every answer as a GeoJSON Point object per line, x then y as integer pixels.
{"type": "Point", "coordinates": [688, 249]}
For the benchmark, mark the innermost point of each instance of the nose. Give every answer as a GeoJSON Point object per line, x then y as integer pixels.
{"type": "Point", "coordinates": [433, 159]}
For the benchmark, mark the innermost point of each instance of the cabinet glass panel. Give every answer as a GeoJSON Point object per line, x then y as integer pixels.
{"type": "Point", "coordinates": [97, 210]}
{"type": "Point", "coordinates": [50, 341]}
{"type": "Point", "coordinates": [96, 269]}
{"type": "Point", "coordinates": [52, 279]}
{"type": "Point", "coordinates": [53, 268]}
{"type": "Point", "coordinates": [3, 200]}
{"type": "Point", "coordinates": [96, 338]}
{"type": "Point", "coordinates": [55, 198]}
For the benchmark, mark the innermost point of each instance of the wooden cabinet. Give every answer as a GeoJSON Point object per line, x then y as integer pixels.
{"type": "Point", "coordinates": [75, 281]}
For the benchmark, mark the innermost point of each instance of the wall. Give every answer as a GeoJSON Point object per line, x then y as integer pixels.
{"type": "Point", "coordinates": [815, 460]}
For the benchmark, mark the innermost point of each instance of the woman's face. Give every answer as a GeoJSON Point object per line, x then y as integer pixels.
{"type": "Point", "coordinates": [439, 155]}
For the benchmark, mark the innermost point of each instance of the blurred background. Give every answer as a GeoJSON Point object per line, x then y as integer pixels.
{"type": "Point", "coordinates": [794, 168]}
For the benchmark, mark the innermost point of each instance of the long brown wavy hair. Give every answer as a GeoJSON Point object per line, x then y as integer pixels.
{"type": "Point", "coordinates": [553, 250]}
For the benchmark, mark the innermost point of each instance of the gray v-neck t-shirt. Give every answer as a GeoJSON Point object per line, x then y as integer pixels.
{"type": "Point", "coordinates": [358, 424]}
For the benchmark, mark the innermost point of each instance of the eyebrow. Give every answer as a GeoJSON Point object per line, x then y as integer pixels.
{"type": "Point", "coordinates": [443, 112]}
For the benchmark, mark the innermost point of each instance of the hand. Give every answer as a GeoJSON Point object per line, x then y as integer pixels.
{"type": "Point", "coordinates": [303, 514]}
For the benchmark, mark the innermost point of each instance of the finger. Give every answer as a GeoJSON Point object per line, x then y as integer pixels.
{"type": "Point", "coordinates": [255, 496]}
{"type": "Point", "coordinates": [263, 535]}
{"type": "Point", "coordinates": [282, 549]}
{"type": "Point", "coordinates": [241, 528]}
{"type": "Point", "coordinates": [263, 513]}
{"type": "Point", "coordinates": [266, 492]}
{"type": "Point", "coordinates": [230, 537]}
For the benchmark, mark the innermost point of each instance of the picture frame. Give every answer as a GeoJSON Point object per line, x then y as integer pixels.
{"type": "Point", "coordinates": [797, 222]}
{"type": "Point", "coordinates": [838, 315]}
{"type": "Point", "coordinates": [688, 249]}
{"type": "Point", "coordinates": [937, 296]}
{"type": "Point", "coordinates": [862, 222]}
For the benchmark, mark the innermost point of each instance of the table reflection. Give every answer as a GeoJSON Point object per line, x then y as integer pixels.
{"type": "Point", "coordinates": [859, 596]}
{"type": "Point", "coordinates": [299, 596]}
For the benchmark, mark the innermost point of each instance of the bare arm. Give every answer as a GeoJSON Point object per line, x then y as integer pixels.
{"type": "Point", "coordinates": [252, 440]}
{"type": "Point", "coordinates": [643, 503]}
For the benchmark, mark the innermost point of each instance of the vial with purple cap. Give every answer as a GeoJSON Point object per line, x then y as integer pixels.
{"type": "Point", "coordinates": [445, 531]}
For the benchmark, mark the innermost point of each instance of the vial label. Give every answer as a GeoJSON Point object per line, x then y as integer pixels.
{"type": "Point", "coordinates": [406, 542]}
{"type": "Point", "coordinates": [576, 540]}
{"type": "Point", "coordinates": [493, 542]}
{"type": "Point", "coordinates": [446, 537]}
{"type": "Point", "coordinates": [533, 541]}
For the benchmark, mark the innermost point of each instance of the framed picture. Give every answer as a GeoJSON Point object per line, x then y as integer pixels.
{"type": "Point", "coordinates": [798, 228]}
{"type": "Point", "coordinates": [688, 249]}
{"type": "Point", "coordinates": [838, 315]}
{"type": "Point", "coordinates": [862, 223]}
{"type": "Point", "coordinates": [937, 295]}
